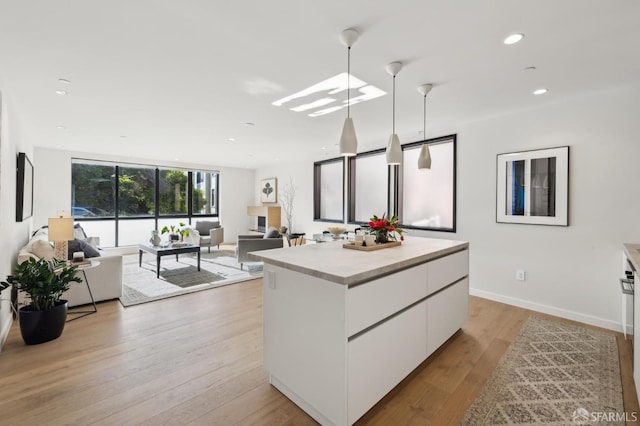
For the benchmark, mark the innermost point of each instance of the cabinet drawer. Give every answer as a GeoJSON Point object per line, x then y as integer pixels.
{"type": "Point", "coordinates": [447, 312]}
{"type": "Point", "coordinates": [442, 272]}
{"type": "Point", "coordinates": [380, 358]}
{"type": "Point", "coordinates": [373, 301]}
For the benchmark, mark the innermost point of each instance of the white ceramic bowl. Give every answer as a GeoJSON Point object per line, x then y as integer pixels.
{"type": "Point", "coordinates": [336, 231]}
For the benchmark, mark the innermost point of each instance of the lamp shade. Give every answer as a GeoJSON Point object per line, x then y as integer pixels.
{"type": "Point", "coordinates": [348, 140]}
{"type": "Point", "coordinates": [394, 151]}
{"type": "Point", "coordinates": [60, 228]}
{"type": "Point", "coordinates": [424, 159]}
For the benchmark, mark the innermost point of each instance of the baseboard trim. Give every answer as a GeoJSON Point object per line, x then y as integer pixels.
{"type": "Point", "coordinates": [551, 310]}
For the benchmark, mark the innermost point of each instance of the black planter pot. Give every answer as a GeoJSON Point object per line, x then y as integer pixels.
{"type": "Point", "coordinates": [42, 326]}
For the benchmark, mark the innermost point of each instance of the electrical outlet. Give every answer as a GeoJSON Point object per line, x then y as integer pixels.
{"type": "Point", "coordinates": [520, 275]}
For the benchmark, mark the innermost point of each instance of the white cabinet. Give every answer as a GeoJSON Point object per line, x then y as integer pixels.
{"type": "Point", "coordinates": [336, 350]}
{"type": "Point", "coordinates": [446, 312]}
{"type": "Point", "coordinates": [376, 300]}
{"type": "Point", "coordinates": [380, 358]}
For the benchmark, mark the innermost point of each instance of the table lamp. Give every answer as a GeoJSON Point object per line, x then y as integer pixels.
{"type": "Point", "coordinates": [60, 232]}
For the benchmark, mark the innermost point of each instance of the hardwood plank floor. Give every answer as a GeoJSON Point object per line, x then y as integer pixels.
{"type": "Point", "coordinates": [197, 360]}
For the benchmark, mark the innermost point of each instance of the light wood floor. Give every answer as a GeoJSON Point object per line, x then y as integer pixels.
{"type": "Point", "coordinates": [197, 359]}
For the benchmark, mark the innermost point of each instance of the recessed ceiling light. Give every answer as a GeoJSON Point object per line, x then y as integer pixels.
{"type": "Point", "coordinates": [231, 139]}
{"type": "Point", "coordinates": [529, 69]}
{"type": "Point", "coordinates": [64, 81]}
{"type": "Point", "coordinates": [60, 127]}
{"type": "Point", "coordinates": [323, 148]}
{"type": "Point", "coordinates": [176, 159]}
{"type": "Point", "coordinates": [123, 136]}
{"type": "Point", "coordinates": [248, 123]}
{"type": "Point", "coordinates": [513, 38]}
{"type": "Point", "coordinates": [61, 92]}
{"type": "Point", "coordinates": [540, 91]}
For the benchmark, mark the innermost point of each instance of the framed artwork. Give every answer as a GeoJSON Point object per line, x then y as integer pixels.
{"type": "Point", "coordinates": [533, 187]}
{"type": "Point", "coordinates": [269, 190]}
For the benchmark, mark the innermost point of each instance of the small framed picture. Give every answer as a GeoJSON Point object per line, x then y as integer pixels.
{"type": "Point", "coordinates": [533, 187]}
{"type": "Point", "coordinates": [269, 190]}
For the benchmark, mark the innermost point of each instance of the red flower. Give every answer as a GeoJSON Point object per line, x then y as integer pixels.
{"type": "Point", "coordinates": [384, 227]}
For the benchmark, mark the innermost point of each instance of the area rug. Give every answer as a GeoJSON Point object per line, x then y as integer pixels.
{"type": "Point", "coordinates": [553, 373]}
{"type": "Point", "coordinates": [218, 268]}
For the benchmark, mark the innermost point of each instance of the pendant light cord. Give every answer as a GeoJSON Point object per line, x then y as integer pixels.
{"type": "Point", "coordinates": [348, 80]}
{"type": "Point", "coordinates": [424, 123]}
{"type": "Point", "coordinates": [394, 105]}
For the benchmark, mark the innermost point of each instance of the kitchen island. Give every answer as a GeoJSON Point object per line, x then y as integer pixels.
{"type": "Point", "coordinates": [343, 327]}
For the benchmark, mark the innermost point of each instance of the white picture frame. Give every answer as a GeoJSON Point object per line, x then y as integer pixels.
{"type": "Point", "coordinates": [532, 187]}
{"type": "Point", "coordinates": [269, 190]}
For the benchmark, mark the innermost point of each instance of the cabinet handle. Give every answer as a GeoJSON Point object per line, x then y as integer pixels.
{"type": "Point", "coordinates": [626, 285]}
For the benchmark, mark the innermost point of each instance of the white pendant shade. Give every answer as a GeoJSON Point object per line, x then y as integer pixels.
{"type": "Point", "coordinates": [348, 140]}
{"type": "Point", "coordinates": [424, 159]}
{"type": "Point", "coordinates": [394, 151]}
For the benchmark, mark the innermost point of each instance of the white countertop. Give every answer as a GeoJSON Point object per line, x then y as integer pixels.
{"type": "Point", "coordinates": [330, 261]}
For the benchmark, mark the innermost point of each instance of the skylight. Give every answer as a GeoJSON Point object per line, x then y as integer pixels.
{"type": "Point", "coordinates": [321, 94]}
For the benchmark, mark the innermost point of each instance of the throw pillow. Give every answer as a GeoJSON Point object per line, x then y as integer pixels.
{"type": "Point", "coordinates": [42, 249]}
{"type": "Point", "coordinates": [272, 233]}
{"type": "Point", "coordinates": [92, 241]}
{"type": "Point", "coordinates": [78, 245]}
{"type": "Point", "coordinates": [78, 232]}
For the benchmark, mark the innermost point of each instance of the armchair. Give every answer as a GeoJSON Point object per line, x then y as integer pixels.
{"type": "Point", "coordinates": [207, 233]}
{"type": "Point", "coordinates": [249, 243]}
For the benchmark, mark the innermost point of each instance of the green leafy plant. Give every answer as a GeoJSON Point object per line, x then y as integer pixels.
{"type": "Point", "coordinates": [43, 281]}
{"type": "Point", "coordinates": [173, 229]}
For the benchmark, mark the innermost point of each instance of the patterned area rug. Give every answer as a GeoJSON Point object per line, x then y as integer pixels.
{"type": "Point", "coordinates": [553, 374]}
{"type": "Point", "coordinates": [217, 268]}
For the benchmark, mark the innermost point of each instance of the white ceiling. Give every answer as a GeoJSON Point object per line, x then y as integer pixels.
{"type": "Point", "coordinates": [174, 77]}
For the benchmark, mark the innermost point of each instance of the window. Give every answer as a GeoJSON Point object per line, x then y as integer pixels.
{"type": "Point", "coordinates": [368, 186]}
{"type": "Point", "coordinates": [92, 190]}
{"type": "Point", "coordinates": [205, 193]}
{"type": "Point", "coordinates": [328, 184]}
{"type": "Point", "coordinates": [422, 199]}
{"type": "Point", "coordinates": [136, 191]}
{"type": "Point", "coordinates": [427, 198]}
{"type": "Point", "coordinates": [172, 196]}
{"type": "Point", "coordinates": [121, 203]}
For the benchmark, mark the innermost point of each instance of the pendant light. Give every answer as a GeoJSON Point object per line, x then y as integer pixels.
{"type": "Point", "coordinates": [394, 151]}
{"type": "Point", "coordinates": [424, 159]}
{"type": "Point", "coordinates": [348, 140]}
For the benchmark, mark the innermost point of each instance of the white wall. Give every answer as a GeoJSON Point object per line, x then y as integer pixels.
{"type": "Point", "coordinates": [570, 272]}
{"type": "Point", "coordinates": [13, 234]}
{"type": "Point", "coordinates": [53, 187]}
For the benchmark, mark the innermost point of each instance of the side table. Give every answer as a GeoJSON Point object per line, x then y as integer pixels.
{"type": "Point", "coordinates": [81, 314]}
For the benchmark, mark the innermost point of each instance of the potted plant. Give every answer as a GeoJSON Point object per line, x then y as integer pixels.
{"type": "Point", "coordinates": [175, 232]}
{"type": "Point", "coordinates": [43, 281]}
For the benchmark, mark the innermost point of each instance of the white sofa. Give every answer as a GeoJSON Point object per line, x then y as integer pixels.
{"type": "Point", "coordinates": [105, 279]}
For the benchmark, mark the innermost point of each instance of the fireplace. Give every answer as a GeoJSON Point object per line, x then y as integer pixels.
{"type": "Point", "coordinates": [262, 224]}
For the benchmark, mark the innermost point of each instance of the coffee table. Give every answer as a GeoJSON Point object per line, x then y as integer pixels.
{"type": "Point", "coordinates": [160, 251]}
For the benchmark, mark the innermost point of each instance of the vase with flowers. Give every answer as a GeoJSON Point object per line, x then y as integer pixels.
{"type": "Point", "coordinates": [385, 230]}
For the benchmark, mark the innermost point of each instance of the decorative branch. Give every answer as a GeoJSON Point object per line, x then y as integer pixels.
{"type": "Point", "coordinates": [287, 197]}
